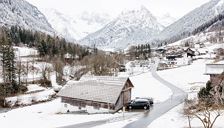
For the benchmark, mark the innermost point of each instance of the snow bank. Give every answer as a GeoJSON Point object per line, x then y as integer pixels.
{"type": "Point", "coordinates": [34, 87]}
{"type": "Point", "coordinates": [28, 99]}
{"type": "Point", "coordinates": [118, 124]}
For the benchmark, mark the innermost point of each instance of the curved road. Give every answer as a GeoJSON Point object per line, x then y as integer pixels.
{"type": "Point", "coordinates": [158, 110]}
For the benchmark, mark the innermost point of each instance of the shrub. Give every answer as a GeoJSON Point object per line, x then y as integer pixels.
{"type": "Point", "coordinates": [204, 92]}
{"type": "Point", "coordinates": [45, 83]}
{"type": "Point", "coordinates": [23, 88]}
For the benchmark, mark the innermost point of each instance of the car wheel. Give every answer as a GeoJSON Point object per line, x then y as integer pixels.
{"type": "Point", "coordinates": [145, 107]}
{"type": "Point", "coordinates": [130, 107]}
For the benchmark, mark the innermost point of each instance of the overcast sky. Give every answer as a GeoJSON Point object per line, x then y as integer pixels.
{"type": "Point", "coordinates": [175, 8]}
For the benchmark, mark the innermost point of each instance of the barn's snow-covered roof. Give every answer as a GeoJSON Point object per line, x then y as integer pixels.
{"type": "Point", "coordinates": [215, 68]}
{"type": "Point", "coordinates": [99, 89]}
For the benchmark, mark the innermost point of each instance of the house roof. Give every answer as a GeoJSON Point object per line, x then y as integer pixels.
{"type": "Point", "coordinates": [100, 89]}
{"type": "Point", "coordinates": [215, 68]}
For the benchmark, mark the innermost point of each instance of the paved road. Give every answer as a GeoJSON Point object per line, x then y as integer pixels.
{"type": "Point", "coordinates": [160, 109]}
{"type": "Point", "coordinates": [147, 117]}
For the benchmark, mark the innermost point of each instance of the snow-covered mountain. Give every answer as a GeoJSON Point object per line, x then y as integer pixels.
{"type": "Point", "coordinates": [63, 25]}
{"type": "Point", "coordinates": [130, 27]}
{"type": "Point", "coordinates": [166, 19]}
{"type": "Point", "coordinates": [194, 19]}
{"type": "Point", "coordinates": [21, 13]}
{"type": "Point", "coordinates": [75, 27]}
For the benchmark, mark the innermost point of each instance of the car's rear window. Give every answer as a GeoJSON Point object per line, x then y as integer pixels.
{"type": "Point", "coordinates": [141, 100]}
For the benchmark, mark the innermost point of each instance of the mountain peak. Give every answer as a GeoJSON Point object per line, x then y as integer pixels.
{"type": "Point", "coordinates": [143, 8]}
{"type": "Point", "coordinates": [137, 12]}
{"type": "Point", "coordinates": [130, 27]}
{"type": "Point", "coordinates": [21, 13]}
{"type": "Point", "coordinates": [75, 27]}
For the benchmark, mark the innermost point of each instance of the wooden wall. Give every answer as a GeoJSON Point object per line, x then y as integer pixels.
{"type": "Point", "coordinates": [84, 103]}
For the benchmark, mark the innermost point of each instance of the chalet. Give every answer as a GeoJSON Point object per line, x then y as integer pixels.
{"type": "Point", "coordinates": [190, 52]}
{"type": "Point", "coordinates": [160, 50]}
{"type": "Point", "coordinates": [69, 58]}
{"type": "Point", "coordinates": [122, 68]}
{"type": "Point", "coordinates": [173, 53]}
{"type": "Point", "coordinates": [173, 57]}
{"type": "Point", "coordinates": [100, 92]}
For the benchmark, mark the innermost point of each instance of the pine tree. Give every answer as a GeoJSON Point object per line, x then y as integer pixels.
{"type": "Point", "coordinates": [8, 66]}
{"type": "Point", "coordinates": [8, 61]}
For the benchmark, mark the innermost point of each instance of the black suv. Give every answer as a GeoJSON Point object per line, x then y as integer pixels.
{"type": "Point", "coordinates": [139, 104]}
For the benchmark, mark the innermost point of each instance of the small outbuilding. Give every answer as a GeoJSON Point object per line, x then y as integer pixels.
{"type": "Point", "coordinates": [100, 92]}
{"type": "Point", "coordinates": [214, 69]}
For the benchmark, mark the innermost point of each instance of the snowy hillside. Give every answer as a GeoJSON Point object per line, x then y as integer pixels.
{"type": "Point", "coordinates": [166, 19]}
{"type": "Point", "coordinates": [194, 19]}
{"type": "Point", "coordinates": [75, 27]}
{"type": "Point", "coordinates": [130, 27]}
{"type": "Point", "coordinates": [21, 13]}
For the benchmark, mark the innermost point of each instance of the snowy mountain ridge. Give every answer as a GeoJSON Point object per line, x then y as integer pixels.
{"type": "Point", "coordinates": [21, 13]}
{"type": "Point", "coordinates": [193, 19]}
{"type": "Point", "coordinates": [130, 27]}
{"type": "Point", "coordinates": [75, 27]}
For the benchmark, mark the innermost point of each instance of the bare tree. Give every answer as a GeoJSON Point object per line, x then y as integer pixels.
{"type": "Point", "coordinates": [45, 72]}
{"type": "Point", "coordinates": [58, 67]}
{"type": "Point", "coordinates": [205, 112]}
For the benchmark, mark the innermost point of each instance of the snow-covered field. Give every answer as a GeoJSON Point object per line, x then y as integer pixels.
{"type": "Point", "coordinates": [25, 51]}
{"type": "Point", "coordinates": [46, 115]}
{"type": "Point", "coordinates": [189, 78]}
{"type": "Point", "coordinates": [147, 86]}
{"type": "Point", "coordinates": [144, 83]}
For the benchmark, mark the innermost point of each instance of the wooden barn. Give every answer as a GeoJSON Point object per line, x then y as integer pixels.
{"type": "Point", "coordinates": [100, 92]}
